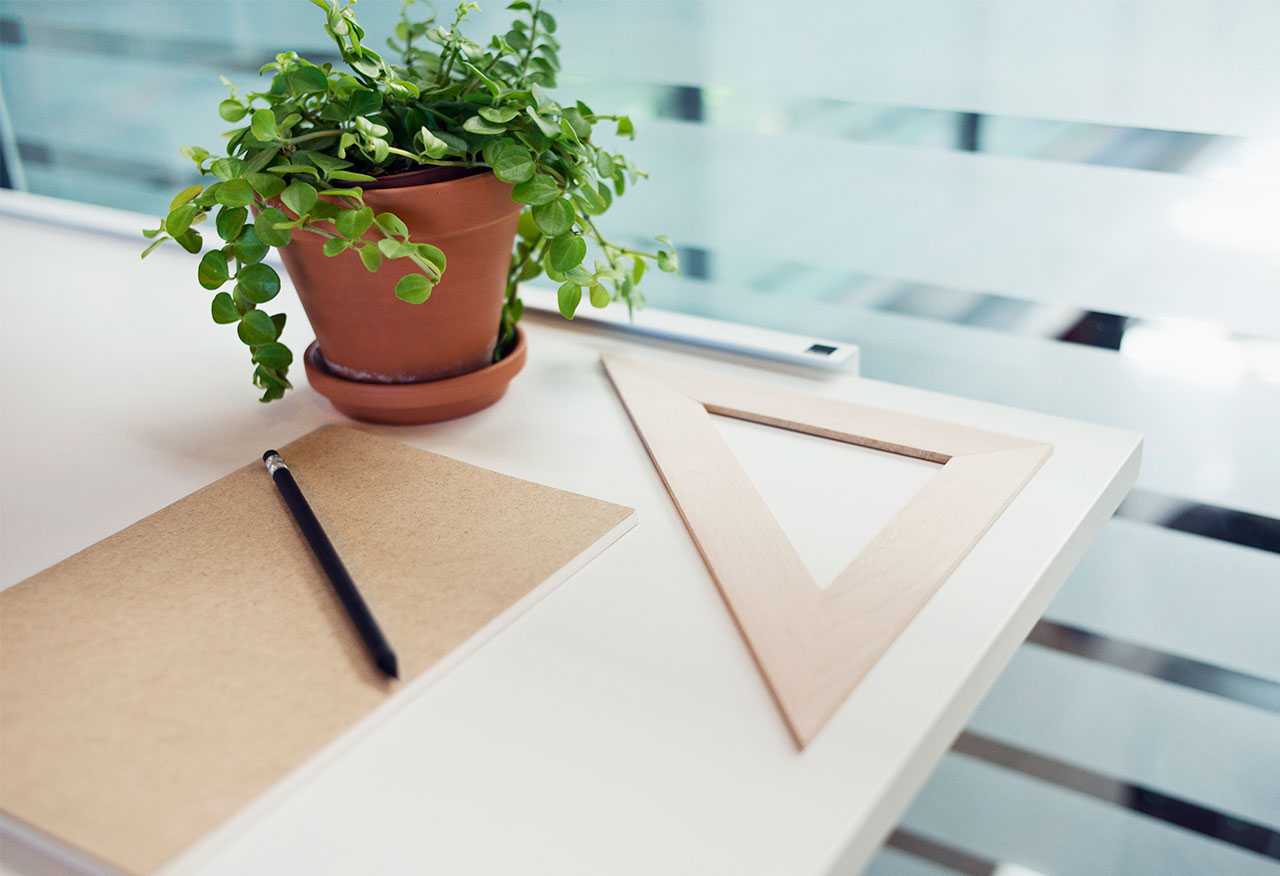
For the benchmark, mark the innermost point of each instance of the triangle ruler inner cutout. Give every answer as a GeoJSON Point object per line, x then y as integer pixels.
{"type": "Point", "coordinates": [828, 497]}
{"type": "Point", "coordinates": [813, 645]}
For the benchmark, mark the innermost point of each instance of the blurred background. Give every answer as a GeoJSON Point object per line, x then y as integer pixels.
{"type": "Point", "coordinates": [1068, 207]}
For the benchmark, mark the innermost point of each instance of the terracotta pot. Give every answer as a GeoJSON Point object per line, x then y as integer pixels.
{"type": "Point", "coordinates": [367, 334]}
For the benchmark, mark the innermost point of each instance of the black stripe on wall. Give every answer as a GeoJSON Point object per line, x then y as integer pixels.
{"type": "Point", "coordinates": [1250, 690]}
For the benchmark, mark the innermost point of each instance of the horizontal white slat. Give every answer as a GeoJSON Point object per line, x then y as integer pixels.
{"type": "Point", "coordinates": [1005, 816]}
{"type": "Point", "coordinates": [109, 119]}
{"type": "Point", "coordinates": [1182, 594]}
{"type": "Point", "coordinates": [1138, 730]}
{"type": "Point", "coordinates": [1205, 441]}
{"type": "Point", "coordinates": [1197, 65]}
{"type": "Point", "coordinates": [1109, 239]}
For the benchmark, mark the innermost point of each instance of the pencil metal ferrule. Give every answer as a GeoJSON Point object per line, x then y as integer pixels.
{"type": "Point", "coordinates": [274, 462]}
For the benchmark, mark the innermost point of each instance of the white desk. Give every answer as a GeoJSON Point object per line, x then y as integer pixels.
{"type": "Point", "coordinates": [621, 727]}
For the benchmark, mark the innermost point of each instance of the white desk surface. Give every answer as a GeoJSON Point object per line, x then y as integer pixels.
{"type": "Point", "coordinates": [621, 726]}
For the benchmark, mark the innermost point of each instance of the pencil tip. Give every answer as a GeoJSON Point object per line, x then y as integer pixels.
{"type": "Point", "coordinates": [387, 663]}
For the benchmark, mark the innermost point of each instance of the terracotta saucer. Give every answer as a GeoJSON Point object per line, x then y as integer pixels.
{"type": "Point", "coordinates": [413, 403]}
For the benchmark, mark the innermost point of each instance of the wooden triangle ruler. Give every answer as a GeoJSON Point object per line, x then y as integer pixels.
{"type": "Point", "coordinates": [814, 645]}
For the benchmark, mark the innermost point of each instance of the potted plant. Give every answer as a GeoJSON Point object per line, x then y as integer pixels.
{"type": "Point", "coordinates": [407, 200]}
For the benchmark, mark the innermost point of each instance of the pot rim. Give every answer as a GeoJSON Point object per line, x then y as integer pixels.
{"type": "Point", "coordinates": [421, 176]}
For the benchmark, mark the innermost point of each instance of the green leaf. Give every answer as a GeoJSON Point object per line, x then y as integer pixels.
{"type": "Point", "coordinates": [394, 249]}
{"type": "Point", "coordinates": [305, 80]}
{"type": "Point", "coordinates": [279, 320]}
{"type": "Point", "coordinates": [433, 254]}
{"type": "Point", "coordinates": [498, 114]}
{"type": "Point", "coordinates": [212, 271]}
{"type": "Point", "coordinates": [527, 228]}
{"type": "Point", "coordinates": [177, 222]}
{"type": "Point", "coordinates": [626, 128]}
{"type": "Point", "coordinates": [151, 246]}
{"type": "Point", "coordinates": [457, 144]}
{"type": "Point", "coordinates": [259, 283]}
{"type": "Point", "coordinates": [364, 101]}
{"type": "Point", "coordinates": [604, 164]}
{"type": "Point", "coordinates": [227, 168]}
{"type": "Point", "coordinates": [638, 267]}
{"type": "Point", "coordinates": [256, 328]}
{"type": "Point", "coordinates": [554, 218]}
{"type": "Point", "coordinates": [268, 233]}
{"type": "Point", "coordinates": [413, 288]}
{"type": "Point", "coordinates": [184, 196]}
{"type": "Point", "coordinates": [371, 257]}
{"type": "Point", "coordinates": [299, 197]}
{"type": "Point", "coordinates": [351, 176]}
{"type": "Point", "coordinates": [190, 240]}
{"type": "Point", "coordinates": [231, 110]}
{"type": "Point", "coordinates": [431, 144]}
{"type": "Point", "coordinates": [566, 252]}
{"type": "Point", "coordinates": [248, 248]}
{"type": "Point", "coordinates": [265, 184]}
{"type": "Point", "coordinates": [594, 200]}
{"type": "Point", "coordinates": [230, 221]}
{"type": "Point", "coordinates": [511, 162]}
{"type": "Point", "coordinates": [668, 262]}
{"type": "Point", "coordinates": [391, 223]}
{"type": "Point", "coordinates": [294, 168]}
{"type": "Point", "coordinates": [567, 297]}
{"type": "Point", "coordinates": [599, 296]}
{"type": "Point", "coordinates": [494, 88]}
{"type": "Point", "coordinates": [354, 223]}
{"type": "Point", "coordinates": [547, 21]}
{"type": "Point", "coordinates": [540, 189]}
{"type": "Point", "coordinates": [263, 125]}
{"type": "Point", "coordinates": [261, 159]}
{"type": "Point", "coordinates": [224, 309]}
{"type": "Point", "coordinates": [335, 245]}
{"type": "Point", "coordinates": [273, 355]}
{"type": "Point", "coordinates": [581, 127]}
{"type": "Point", "coordinates": [195, 153]}
{"type": "Point", "coordinates": [568, 131]}
{"type": "Point", "coordinates": [235, 193]}
{"type": "Point", "coordinates": [477, 125]}
{"type": "Point", "coordinates": [547, 127]}
{"type": "Point", "coordinates": [327, 163]}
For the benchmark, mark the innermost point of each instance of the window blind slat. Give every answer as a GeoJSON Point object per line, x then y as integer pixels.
{"type": "Point", "coordinates": [1107, 239]}
{"type": "Point", "coordinates": [1003, 815]}
{"type": "Point", "coordinates": [1090, 714]}
{"type": "Point", "coordinates": [1166, 590]}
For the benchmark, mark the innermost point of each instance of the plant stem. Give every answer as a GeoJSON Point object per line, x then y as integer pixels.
{"type": "Point", "coordinates": [314, 135]}
{"type": "Point", "coordinates": [533, 36]}
{"type": "Point", "coordinates": [604, 244]}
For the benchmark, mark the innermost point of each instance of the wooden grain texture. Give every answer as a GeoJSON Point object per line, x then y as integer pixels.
{"type": "Point", "coordinates": [813, 645]}
{"type": "Point", "coordinates": [156, 682]}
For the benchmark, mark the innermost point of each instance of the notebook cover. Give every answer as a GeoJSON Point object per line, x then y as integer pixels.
{"type": "Point", "coordinates": [155, 683]}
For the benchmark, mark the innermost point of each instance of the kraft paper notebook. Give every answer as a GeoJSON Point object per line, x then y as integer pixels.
{"type": "Point", "coordinates": [157, 682]}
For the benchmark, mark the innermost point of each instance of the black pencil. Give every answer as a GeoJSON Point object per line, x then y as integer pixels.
{"type": "Point", "coordinates": [345, 588]}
